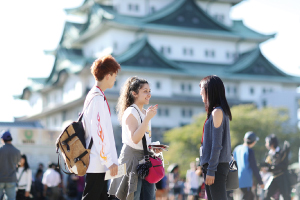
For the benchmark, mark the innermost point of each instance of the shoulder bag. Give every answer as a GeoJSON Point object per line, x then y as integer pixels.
{"type": "Point", "coordinates": [152, 169]}
{"type": "Point", "coordinates": [232, 181]}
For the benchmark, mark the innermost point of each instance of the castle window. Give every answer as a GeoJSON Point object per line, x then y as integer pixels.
{"type": "Point", "coordinates": [264, 103]}
{"type": "Point", "coordinates": [157, 85]}
{"type": "Point", "coordinates": [195, 20]}
{"type": "Point", "coordinates": [182, 87]}
{"type": "Point", "coordinates": [165, 50]}
{"type": "Point", "coordinates": [206, 53]}
{"type": "Point", "coordinates": [115, 45]}
{"type": "Point", "coordinates": [180, 18]}
{"type": "Point", "coordinates": [167, 112]}
{"type": "Point", "coordinates": [191, 52]}
{"type": "Point", "coordinates": [190, 113]}
{"type": "Point", "coordinates": [251, 90]}
{"type": "Point", "coordinates": [227, 55]}
{"type": "Point", "coordinates": [213, 53]}
{"type": "Point", "coordinates": [137, 7]}
{"type": "Point", "coordinates": [228, 89]}
{"type": "Point", "coordinates": [163, 112]}
{"type": "Point", "coordinates": [219, 17]}
{"type": "Point", "coordinates": [188, 51]}
{"type": "Point", "coordinates": [183, 112]}
{"type": "Point", "coordinates": [64, 115]}
{"type": "Point", "coordinates": [162, 50]}
{"type": "Point", "coordinates": [190, 87]}
{"type": "Point", "coordinates": [234, 90]}
{"type": "Point", "coordinates": [129, 6]}
{"type": "Point", "coordinates": [209, 53]}
{"type": "Point", "coordinates": [152, 9]}
{"type": "Point", "coordinates": [159, 111]}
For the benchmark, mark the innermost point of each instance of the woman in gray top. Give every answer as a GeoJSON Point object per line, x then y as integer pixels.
{"type": "Point", "coordinates": [215, 151]}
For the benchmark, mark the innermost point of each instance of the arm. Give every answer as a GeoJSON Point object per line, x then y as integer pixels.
{"type": "Point", "coordinates": [252, 162]}
{"type": "Point", "coordinates": [29, 180]}
{"type": "Point", "coordinates": [99, 132]}
{"type": "Point", "coordinates": [137, 132]}
{"type": "Point", "coordinates": [217, 135]}
{"type": "Point", "coordinates": [188, 179]}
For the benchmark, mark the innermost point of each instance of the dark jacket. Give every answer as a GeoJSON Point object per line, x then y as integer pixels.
{"type": "Point", "coordinates": [9, 158]}
{"type": "Point", "coordinates": [278, 163]}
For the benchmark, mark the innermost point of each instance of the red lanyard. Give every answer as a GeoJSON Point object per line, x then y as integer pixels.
{"type": "Point", "coordinates": [203, 132]}
{"type": "Point", "coordinates": [105, 100]}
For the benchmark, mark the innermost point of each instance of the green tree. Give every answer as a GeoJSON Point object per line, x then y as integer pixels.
{"type": "Point", "coordinates": [185, 141]}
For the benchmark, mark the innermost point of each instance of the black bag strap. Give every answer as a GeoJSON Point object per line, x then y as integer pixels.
{"type": "Point", "coordinates": [81, 114]}
{"type": "Point", "coordinates": [146, 153]}
{"type": "Point", "coordinates": [21, 175]}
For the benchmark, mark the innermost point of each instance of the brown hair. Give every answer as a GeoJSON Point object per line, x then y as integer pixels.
{"type": "Point", "coordinates": [103, 66]}
{"type": "Point", "coordinates": [132, 84]}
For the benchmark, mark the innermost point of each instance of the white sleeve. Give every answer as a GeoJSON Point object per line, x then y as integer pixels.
{"type": "Point", "coordinates": [29, 180]}
{"type": "Point", "coordinates": [99, 131]}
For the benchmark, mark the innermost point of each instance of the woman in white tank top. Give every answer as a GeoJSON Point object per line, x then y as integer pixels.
{"type": "Point", "coordinates": [136, 122]}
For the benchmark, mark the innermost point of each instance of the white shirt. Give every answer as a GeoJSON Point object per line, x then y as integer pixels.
{"type": "Point", "coordinates": [126, 135]}
{"type": "Point", "coordinates": [25, 180]}
{"type": "Point", "coordinates": [192, 178]}
{"type": "Point", "coordinates": [51, 178]}
{"type": "Point", "coordinates": [97, 124]}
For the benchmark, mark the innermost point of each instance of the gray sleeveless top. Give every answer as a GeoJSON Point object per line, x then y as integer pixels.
{"type": "Point", "coordinates": [216, 147]}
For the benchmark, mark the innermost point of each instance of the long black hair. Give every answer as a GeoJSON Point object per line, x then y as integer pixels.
{"type": "Point", "coordinates": [215, 94]}
{"type": "Point", "coordinates": [26, 166]}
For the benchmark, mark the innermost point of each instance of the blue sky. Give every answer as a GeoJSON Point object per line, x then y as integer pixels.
{"type": "Point", "coordinates": [32, 26]}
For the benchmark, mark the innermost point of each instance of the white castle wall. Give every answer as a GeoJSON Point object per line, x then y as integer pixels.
{"type": "Point", "coordinates": [36, 103]}
{"type": "Point", "coordinates": [139, 8]}
{"type": "Point", "coordinates": [217, 10]}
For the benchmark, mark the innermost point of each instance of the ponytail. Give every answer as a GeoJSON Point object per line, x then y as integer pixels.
{"type": "Point", "coordinates": [132, 84]}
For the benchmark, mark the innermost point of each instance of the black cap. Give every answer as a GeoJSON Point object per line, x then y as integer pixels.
{"type": "Point", "coordinates": [250, 137]}
{"type": "Point", "coordinates": [6, 136]}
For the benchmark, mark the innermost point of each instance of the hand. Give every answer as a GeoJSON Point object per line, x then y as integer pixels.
{"type": "Point", "coordinates": [262, 186]}
{"type": "Point", "coordinates": [209, 180]}
{"type": "Point", "coordinates": [113, 169]}
{"type": "Point", "coordinates": [27, 194]}
{"type": "Point", "coordinates": [156, 150]}
{"type": "Point", "coordinates": [151, 111]}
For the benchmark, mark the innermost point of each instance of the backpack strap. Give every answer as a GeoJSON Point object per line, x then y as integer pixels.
{"type": "Point", "coordinates": [146, 153]}
{"type": "Point", "coordinates": [81, 114]}
{"type": "Point", "coordinates": [62, 168]}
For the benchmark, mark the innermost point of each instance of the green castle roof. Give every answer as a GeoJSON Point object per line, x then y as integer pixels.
{"type": "Point", "coordinates": [181, 17]}
{"type": "Point", "coordinates": [142, 57]}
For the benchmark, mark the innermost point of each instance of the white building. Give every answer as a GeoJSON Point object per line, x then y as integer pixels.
{"type": "Point", "coordinates": [171, 43]}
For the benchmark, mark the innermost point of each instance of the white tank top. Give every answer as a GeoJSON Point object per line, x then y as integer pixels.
{"type": "Point", "coordinates": [126, 136]}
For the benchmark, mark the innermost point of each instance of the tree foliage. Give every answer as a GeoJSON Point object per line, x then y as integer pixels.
{"type": "Point", "coordinates": [185, 141]}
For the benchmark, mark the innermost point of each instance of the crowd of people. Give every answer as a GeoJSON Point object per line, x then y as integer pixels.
{"type": "Point", "coordinates": [206, 179]}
